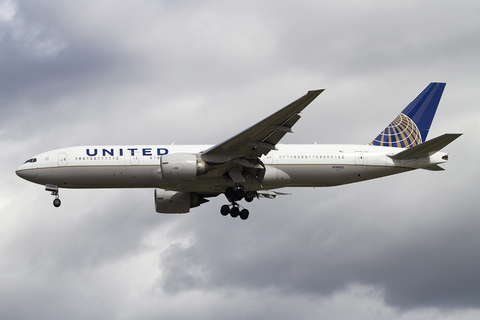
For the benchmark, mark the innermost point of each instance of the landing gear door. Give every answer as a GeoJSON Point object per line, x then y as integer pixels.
{"type": "Point", "coordinates": [62, 159]}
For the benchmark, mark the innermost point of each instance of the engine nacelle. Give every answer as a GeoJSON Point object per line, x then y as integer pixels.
{"type": "Point", "coordinates": [167, 201]}
{"type": "Point", "coordinates": [178, 167]}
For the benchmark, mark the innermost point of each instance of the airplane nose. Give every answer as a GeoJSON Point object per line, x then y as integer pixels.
{"type": "Point", "coordinates": [20, 172]}
{"type": "Point", "coordinates": [23, 173]}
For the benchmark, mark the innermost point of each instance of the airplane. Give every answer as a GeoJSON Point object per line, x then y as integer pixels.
{"type": "Point", "coordinates": [249, 165]}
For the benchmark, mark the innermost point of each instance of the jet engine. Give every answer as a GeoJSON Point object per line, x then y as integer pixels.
{"type": "Point", "coordinates": [167, 201]}
{"type": "Point", "coordinates": [178, 167]}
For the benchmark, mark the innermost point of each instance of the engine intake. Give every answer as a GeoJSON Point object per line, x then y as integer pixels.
{"type": "Point", "coordinates": [167, 201]}
{"type": "Point", "coordinates": [178, 167]}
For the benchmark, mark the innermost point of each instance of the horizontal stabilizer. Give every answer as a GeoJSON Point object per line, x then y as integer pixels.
{"type": "Point", "coordinates": [434, 167]}
{"type": "Point", "coordinates": [427, 148]}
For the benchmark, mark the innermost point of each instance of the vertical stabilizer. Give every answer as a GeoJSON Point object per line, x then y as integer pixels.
{"type": "Point", "coordinates": [411, 126]}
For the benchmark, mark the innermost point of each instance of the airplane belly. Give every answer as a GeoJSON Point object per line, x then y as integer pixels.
{"type": "Point", "coordinates": [322, 175]}
{"type": "Point", "coordinates": [319, 175]}
{"type": "Point", "coordinates": [99, 176]}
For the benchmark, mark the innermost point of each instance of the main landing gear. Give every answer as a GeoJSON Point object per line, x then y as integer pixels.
{"type": "Point", "coordinates": [234, 195]}
{"type": "Point", "coordinates": [234, 211]}
{"type": "Point", "coordinates": [54, 190]}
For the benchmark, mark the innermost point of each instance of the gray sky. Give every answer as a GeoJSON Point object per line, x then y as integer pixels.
{"type": "Point", "coordinates": [198, 72]}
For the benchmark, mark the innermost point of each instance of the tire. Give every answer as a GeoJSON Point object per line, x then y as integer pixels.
{"type": "Point", "coordinates": [249, 196]}
{"type": "Point", "coordinates": [57, 203]}
{"type": "Point", "coordinates": [230, 194]}
{"type": "Point", "coordinates": [225, 210]}
{"type": "Point", "coordinates": [234, 212]}
{"type": "Point", "coordinates": [244, 214]}
{"type": "Point", "coordinates": [239, 194]}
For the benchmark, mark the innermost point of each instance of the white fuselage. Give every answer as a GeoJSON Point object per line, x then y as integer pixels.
{"type": "Point", "coordinates": [289, 166]}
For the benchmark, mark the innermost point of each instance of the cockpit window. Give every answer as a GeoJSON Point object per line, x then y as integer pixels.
{"type": "Point", "coordinates": [31, 160]}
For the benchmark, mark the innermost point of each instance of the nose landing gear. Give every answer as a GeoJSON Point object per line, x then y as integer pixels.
{"type": "Point", "coordinates": [54, 190]}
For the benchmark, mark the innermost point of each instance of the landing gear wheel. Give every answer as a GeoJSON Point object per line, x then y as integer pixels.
{"type": "Point", "coordinates": [244, 214]}
{"type": "Point", "coordinates": [225, 210]}
{"type": "Point", "coordinates": [229, 192]}
{"type": "Point", "coordinates": [239, 194]}
{"type": "Point", "coordinates": [233, 195]}
{"type": "Point", "coordinates": [249, 195]}
{"type": "Point", "coordinates": [234, 212]}
{"type": "Point", "coordinates": [57, 203]}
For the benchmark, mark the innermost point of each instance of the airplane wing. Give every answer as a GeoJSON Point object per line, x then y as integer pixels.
{"type": "Point", "coordinates": [262, 137]}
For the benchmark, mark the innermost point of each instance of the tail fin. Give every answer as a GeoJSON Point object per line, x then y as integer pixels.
{"type": "Point", "coordinates": [411, 126]}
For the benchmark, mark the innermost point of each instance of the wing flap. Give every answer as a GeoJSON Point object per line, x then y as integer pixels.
{"type": "Point", "coordinates": [271, 194]}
